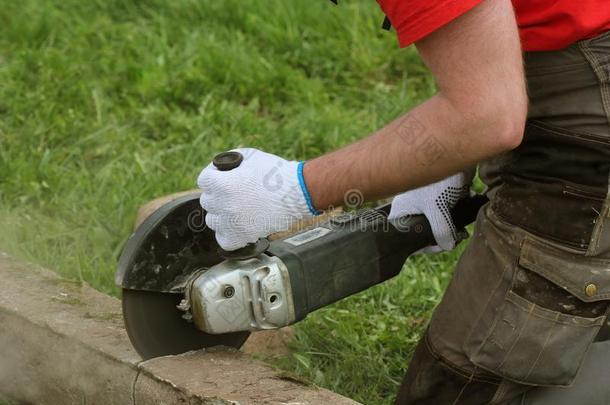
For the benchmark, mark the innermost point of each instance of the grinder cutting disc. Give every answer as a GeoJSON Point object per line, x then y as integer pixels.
{"type": "Point", "coordinates": [154, 267]}
{"type": "Point", "coordinates": [156, 328]}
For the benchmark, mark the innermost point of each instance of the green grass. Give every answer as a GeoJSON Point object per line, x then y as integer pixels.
{"type": "Point", "coordinates": [105, 105]}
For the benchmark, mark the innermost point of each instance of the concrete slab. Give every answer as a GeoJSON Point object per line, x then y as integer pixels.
{"type": "Point", "coordinates": [63, 342]}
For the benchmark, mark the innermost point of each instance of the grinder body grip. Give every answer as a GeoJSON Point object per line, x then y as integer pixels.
{"type": "Point", "coordinates": [352, 252]}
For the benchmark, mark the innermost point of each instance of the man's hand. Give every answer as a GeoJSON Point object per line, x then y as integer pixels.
{"type": "Point", "coordinates": [264, 195]}
{"type": "Point", "coordinates": [435, 201]}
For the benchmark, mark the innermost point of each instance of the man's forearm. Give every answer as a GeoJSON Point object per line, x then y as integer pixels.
{"type": "Point", "coordinates": [429, 143]}
{"type": "Point", "coordinates": [479, 112]}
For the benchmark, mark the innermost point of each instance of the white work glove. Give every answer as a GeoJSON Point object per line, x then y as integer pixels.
{"type": "Point", "coordinates": [435, 201]}
{"type": "Point", "coordinates": [263, 195]}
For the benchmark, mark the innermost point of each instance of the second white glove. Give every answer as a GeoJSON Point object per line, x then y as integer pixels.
{"type": "Point", "coordinates": [435, 201]}
{"type": "Point", "coordinates": [263, 195]}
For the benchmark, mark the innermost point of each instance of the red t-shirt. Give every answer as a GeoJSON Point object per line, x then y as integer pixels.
{"type": "Point", "coordinates": [544, 25]}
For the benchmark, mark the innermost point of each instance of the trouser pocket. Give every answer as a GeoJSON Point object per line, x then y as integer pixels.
{"type": "Point", "coordinates": [542, 330]}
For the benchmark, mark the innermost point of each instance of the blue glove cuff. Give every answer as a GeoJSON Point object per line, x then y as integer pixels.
{"type": "Point", "coordinates": [305, 191]}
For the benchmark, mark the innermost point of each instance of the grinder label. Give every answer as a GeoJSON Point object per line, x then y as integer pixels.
{"type": "Point", "coordinates": [308, 236]}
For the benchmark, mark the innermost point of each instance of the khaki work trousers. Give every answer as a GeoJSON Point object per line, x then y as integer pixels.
{"type": "Point", "coordinates": [531, 293]}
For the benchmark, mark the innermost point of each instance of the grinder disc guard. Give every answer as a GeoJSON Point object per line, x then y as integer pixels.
{"type": "Point", "coordinates": [154, 268]}
{"type": "Point", "coordinates": [167, 248]}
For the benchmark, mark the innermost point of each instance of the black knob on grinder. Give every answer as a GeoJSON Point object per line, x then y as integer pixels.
{"type": "Point", "coordinates": [226, 161]}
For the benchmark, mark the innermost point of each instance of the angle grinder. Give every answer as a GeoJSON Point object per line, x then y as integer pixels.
{"type": "Point", "coordinates": [181, 291]}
